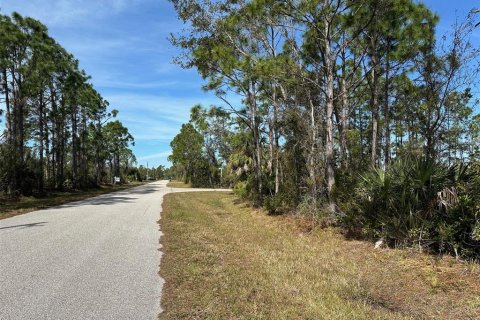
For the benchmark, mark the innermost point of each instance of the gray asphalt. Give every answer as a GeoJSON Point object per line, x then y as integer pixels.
{"type": "Point", "coordinates": [92, 259]}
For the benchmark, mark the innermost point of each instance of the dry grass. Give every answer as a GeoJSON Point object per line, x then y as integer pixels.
{"type": "Point", "coordinates": [178, 184]}
{"type": "Point", "coordinates": [12, 207]}
{"type": "Point", "coordinates": [224, 260]}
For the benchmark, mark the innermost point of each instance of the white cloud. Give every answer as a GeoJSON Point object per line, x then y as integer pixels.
{"type": "Point", "coordinates": [160, 155]}
{"type": "Point", "coordinates": [67, 12]}
{"type": "Point", "coordinates": [177, 107]}
{"type": "Point", "coordinates": [155, 117]}
{"type": "Point", "coordinates": [108, 81]}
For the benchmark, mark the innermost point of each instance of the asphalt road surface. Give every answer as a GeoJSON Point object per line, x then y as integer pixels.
{"type": "Point", "coordinates": [92, 259]}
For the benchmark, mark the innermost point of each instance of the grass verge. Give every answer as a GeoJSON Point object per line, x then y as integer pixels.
{"type": "Point", "coordinates": [178, 184]}
{"type": "Point", "coordinates": [224, 260]}
{"type": "Point", "coordinates": [13, 207]}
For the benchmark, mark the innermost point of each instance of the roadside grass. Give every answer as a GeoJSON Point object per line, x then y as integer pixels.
{"type": "Point", "coordinates": [12, 207]}
{"type": "Point", "coordinates": [178, 184]}
{"type": "Point", "coordinates": [224, 260]}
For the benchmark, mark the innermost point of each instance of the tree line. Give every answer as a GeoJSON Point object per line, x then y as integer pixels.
{"type": "Point", "coordinates": [58, 130]}
{"type": "Point", "coordinates": [355, 112]}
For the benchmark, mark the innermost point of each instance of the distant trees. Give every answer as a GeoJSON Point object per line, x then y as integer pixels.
{"type": "Point", "coordinates": [202, 147]}
{"type": "Point", "coordinates": [117, 142]}
{"type": "Point", "coordinates": [55, 133]}
{"type": "Point", "coordinates": [330, 92]}
{"type": "Point", "coordinates": [187, 152]}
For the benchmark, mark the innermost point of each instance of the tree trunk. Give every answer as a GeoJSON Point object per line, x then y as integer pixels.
{"type": "Point", "coordinates": [40, 143]}
{"type": "Point", "coordinates": [256, 140]}
{"type": "Point", "coordinates": [311, 160]}
{"type": "Point", "coordinates": [48, 173]}
{"type": "Point", "coordinates": [329, 62]}
{"type": "Point", "coordinates": [374, 107]}
{"type": "Point", "coordinates": [98, 161]}
{"type": "Point", "coordinates": [275, 139]}
{"type": "Point", "coordinates": [74, 147]}
{"type": "Point", "coordinates": [386, 108]}
{"type": "Point", "coordinates": [19, 121]}
{"type": "Point", "coordinates": [8, 115]}
{"type": "Point", "coordinates": [270, 146]}
{"type": "Point", "coordinates": [343, 117]}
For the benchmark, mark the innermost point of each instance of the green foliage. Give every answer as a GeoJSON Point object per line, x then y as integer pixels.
{"type": "Point", "coordinates": [274, 204]}
{"type": "Point", "coordinates": [326, 94]}
{"type": "Point", "coordinates": [55, 135]}
{"type": "Point", "coordinates": [419, 201]}
{"type": "Point", "coordinates": [117, 143]}
{"type": "Point", "coordinates": [202, 147]}
{"type": "Point", "coordinates": [188, 153]}
{"type": "Point", "coordinates": [241, 189]}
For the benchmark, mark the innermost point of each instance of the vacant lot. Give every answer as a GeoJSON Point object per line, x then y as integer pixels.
{"type": "Point", "coordinates": [224, 260]}
{"type": "Point", "coordinates": [11, 207]}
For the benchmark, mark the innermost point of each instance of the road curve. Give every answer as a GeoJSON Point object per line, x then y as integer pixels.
{"type": "Point", "coordinates": [92, 259]}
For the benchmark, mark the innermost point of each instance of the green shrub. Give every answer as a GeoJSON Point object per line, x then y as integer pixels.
{"type": "Point", "coordinates": [269, 204]}
{"type": "Point", "coordinates": [275, 204]}
{"type": "Point", "coordinates": [419, 201]}
{"type": "Point", "coordinates": [241, 189]}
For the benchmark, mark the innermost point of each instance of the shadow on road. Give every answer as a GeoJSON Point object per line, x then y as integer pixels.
{"type": "Point", "coordinates": [124, 196]}
{"type": "Point", "coordinates": [109, 200]}
{"type": "Point", "coordinates": [102, 200]}
{"type": "Point", "coordinates": [23, 226]}
{"type": "Point", "coordinates": [146, 190]}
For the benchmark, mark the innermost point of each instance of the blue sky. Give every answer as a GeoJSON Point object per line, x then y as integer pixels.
{"type": "Point", "coordinates": [123, 45]}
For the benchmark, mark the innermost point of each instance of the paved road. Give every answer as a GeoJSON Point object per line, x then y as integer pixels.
{"type": "Point", "coordinates": [92, 259]}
